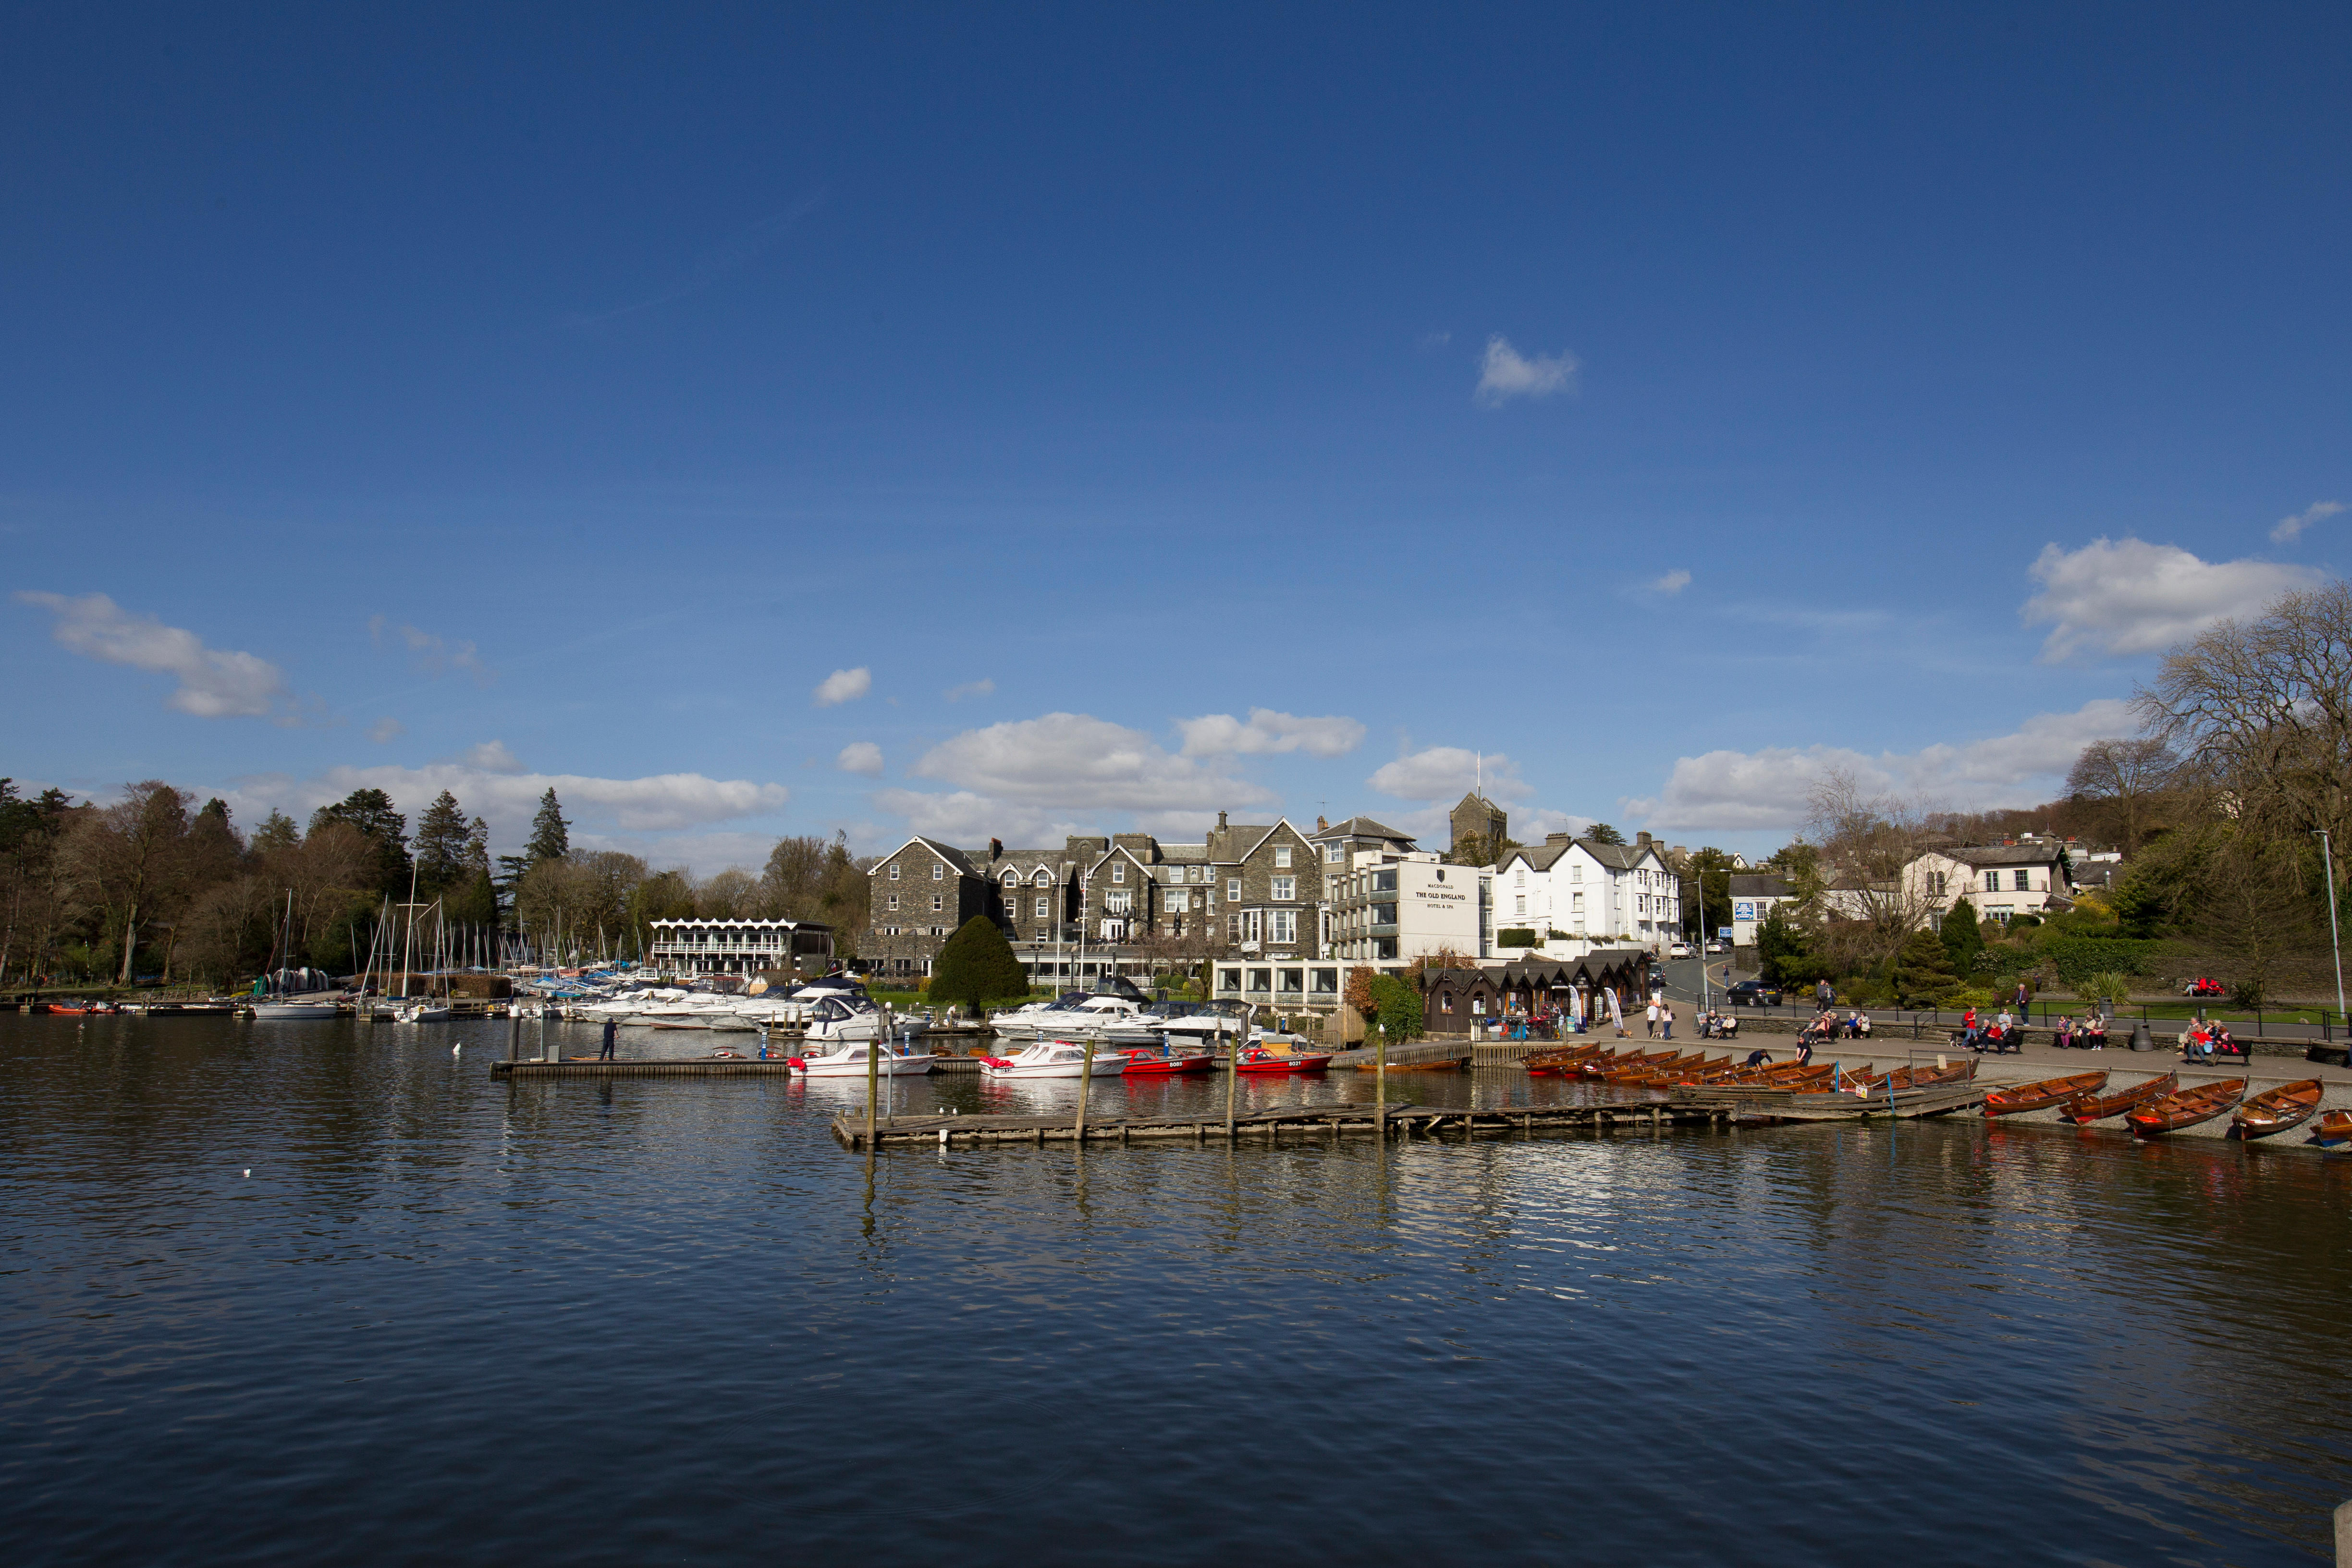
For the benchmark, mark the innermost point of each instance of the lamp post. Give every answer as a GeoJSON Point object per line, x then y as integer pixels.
{"type": "Point", "coordinates": [2334, 937]}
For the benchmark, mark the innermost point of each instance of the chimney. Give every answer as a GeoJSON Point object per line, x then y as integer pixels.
{"type": "Point", "coordinates": [1552, 838]}
{"type": "Point", "coordinates": [1321, 825]}
{"type": "Point", "coordinates": [1221, 821]}
{"type": "Point", "coordinates": [1642, 840]}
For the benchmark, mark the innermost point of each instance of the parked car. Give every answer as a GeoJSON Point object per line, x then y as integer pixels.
{"type": "Point", "coordinates": [1719, 945]}
{"type": "Point", "coordinates": [1679, 949]}
{"type": "Point", "coordinates": [1752, 993]}
{"type": "Point", "coordinates": [2204, 985]}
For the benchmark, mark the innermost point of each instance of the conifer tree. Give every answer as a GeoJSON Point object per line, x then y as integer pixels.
{"type": "Point", "coordinates": [977, 966]}
{"type": "Point", "coordinates": [440, 846]}
{"type": "Point", "coordinates": [1962, 938]}
{"type": "Point", "coordinates": [1923, 970]}
{"type": "Point", "coordinates": [551, 835]}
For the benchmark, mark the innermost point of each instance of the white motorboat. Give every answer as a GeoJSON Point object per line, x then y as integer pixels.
{"type": "Point", "coordinates": [280, 1010]}
{"type": "Point", "coordinates": [838, 1018]}
{"type": "Point", "coordinates": [1053, 1058]}
{"type": "Point", "coordinates": [422, 1013]}
{"type": "Point", "coordinates": [1209, 1024]}
{"type": "Point", "coordinates": [1095, 1017]}
{"type": "Point", "coordinates": [847, 1060]}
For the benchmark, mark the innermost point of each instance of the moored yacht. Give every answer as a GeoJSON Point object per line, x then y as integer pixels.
{"type": "Point", "coordinates": [1053, 1058]}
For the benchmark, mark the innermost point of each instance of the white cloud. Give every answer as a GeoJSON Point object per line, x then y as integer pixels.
{"type": "Point", "coordinates": [860, 757]}
{"type": "Point", "coordinates": [383, 731]}
{"type": "Point", "coordinates": [1767, 789]}
{"type": "Point", "coordinates": [844, 686]}
{"type": "Point", "coordinates": [214, 683]}
{"type": "Point", "coordinates": [431, 653]}
{"type": "Point", "coordinates": [1447, 772]}
{"type": "Point", "coordinates": [492, 757]}
{"type": "Point", "coordinates": [2128, 597]}
{"type": "Point", "coordinates": [1046, 776]}
{"type": "Point", "coordinates": [980, 688]}
{"type": "Point", "coordinates": [659, 804]}
{"type": "Point", "coordinates": [1504, 374]}
{"type": "Point", "coordinates": [1673, 581]}
{"type": "Point", "coordinates": [2290, 529]}
{"type": "Point", "coordinates": [1530, 826]}
{"type": "Point", "coordinates": [1222, 734]}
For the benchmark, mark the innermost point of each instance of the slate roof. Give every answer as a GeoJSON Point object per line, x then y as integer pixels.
{"type": "Point", "coordinates": [1761, 888]}
{"type": "Point", "coordinates": [1363, 827]}
{"type": "Point", "coordinates": [2004, 854]}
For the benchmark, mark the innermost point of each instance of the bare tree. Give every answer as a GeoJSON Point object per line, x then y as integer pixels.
{"type": "Point", "coordinates": [129, 852]}
{"type": "Point", "coordinates": [2128, 775]}
{"type": "Point", "coordinates": [1867, 844]}
{"type": "Point", "coordinates": [2263, 708]}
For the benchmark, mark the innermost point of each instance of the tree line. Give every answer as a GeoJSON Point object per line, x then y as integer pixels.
{"type": "Point", "coordinates": [155, 887]}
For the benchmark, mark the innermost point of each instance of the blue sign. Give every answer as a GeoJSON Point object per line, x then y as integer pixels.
{"type": "Point", "coordinates": [1743, 912]}
{"type": "Point", "coordinates": [1723, 932]}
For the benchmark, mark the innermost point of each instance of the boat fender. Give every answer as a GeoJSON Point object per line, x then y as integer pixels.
{"type": "Point", "coordinates": [798, 1064]}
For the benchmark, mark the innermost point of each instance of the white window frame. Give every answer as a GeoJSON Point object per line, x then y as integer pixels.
{"type": "Point", "coordinates": [1286, 890]}
{"type": "Point", "coordinates": [1282, 857]}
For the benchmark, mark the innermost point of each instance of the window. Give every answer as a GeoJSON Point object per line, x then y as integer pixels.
{"type": "Point", "coordinates": [894, 897]}
{"type": "Point", "coordinates": [2024, 883]}
{"type": "Point", "coordinates": [1519, 904]}
{"type": "Point", "coordinates": [1229, 981]}
{"type": "Point", "coordinates": [1261, 980]}
{"type": "Point", "coordinates": [935, 903]}
{"type": "Point", "coordinates": [894, 870]}
{"type": "Point", "coordinates": [1282, 925]}
{"type": "Point", "coordinates": [1325, 982]}
{"type": "Point", "coordinates": [1233, 927]}
{"type": "Point", "coordinates": [1576, 873]}
{"type": "Point", "coordinates": [1043, 910]}
{"type": "Point", "coordinates": [1177, 903]}
{"type": "Point", "coordinates": [938, 872]}
{"type": "Point", "coordinates": [1285, 889]}
{"type": "Point", "coordinates": [1232, 889]}
{"type": "Point", "coordinates": [1282, 855]}
{"type": "Point", "coordinates": [1010, 878]}
{"type": "Point", "coordinates": [1519, 877]}
{"type": "Point", "coordinates": [1209, 900]}
{"type": "Point", "coordinates": [1119, 873]}
{"type": "Point", "coordinates": [1992, 881]}
{"type": "Point", "coordinates": [1115, 902]}
{"type": "Point", "coordinates": [1331, 853]}
{"type": "Point", "coordinates": [1575, 903]}
{"type": "Point", "coordinates": [1445, 1001]}
{"type": "Point", "coordinates": [1290, 981]}
{"type": "Point", "coordinates": [1478, 1006]}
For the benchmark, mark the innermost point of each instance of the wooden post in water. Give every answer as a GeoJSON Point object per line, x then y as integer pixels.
{"type": "Point", "coordinates": [874, 1074]}
{"type": "Point", "coordinates": [514, 1034]}
{"type": "Point", "coordinates": [1085, 1083]}
{"type": "Point", "coordinates": [2344, 1536]}
{"type": "Point", "coordinates": [1233, 1080]}
{"type": "Point", "coordinates": [1380, 1087]}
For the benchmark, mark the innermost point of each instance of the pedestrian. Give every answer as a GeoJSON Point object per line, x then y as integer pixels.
{"type": "Point", "coordinates": [1654, 1017]}
{"type": "Point", "coordinates": [612, 1031]}
{"type": "Point", "coordinates": [1666, 1017]}
{"type": "Point", "coordinates": [1968, 1028]}
{"type": "Point", "coordinates": [1824, 997]}
{"type": "Point", "coordinates": [2021, 1000]}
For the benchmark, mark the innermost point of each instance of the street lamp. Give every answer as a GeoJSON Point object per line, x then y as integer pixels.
{"type": "Point", "coordinates": [2335, 938]}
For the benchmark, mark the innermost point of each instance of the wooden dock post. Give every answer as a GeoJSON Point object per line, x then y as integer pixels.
{"type": "Point", "coordinates": [874, 1073]}
{"type": "Point", "coordinates": [1233, 1083]}
{"type": "Point", "coordinates": [1085, 1083]}
{"type": "Point", "coordinates": [514, 1036]}
{"type": "Point", "coordinates": [1380, 1086]}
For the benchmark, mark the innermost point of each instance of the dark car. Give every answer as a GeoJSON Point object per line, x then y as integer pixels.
{"type": "Point", "coordinates": [1752, 993]}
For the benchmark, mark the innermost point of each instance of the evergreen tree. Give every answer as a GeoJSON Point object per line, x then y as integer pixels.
{"type": "Point", "coordinates": [551, 835]}
{"type": "Point", "coordinates": [473, 901]}
{"type": "Point", "coordinates": [1397, 1002]}
{"type": "Point", "coordinates": [1923, 970]}
{"type": "Point", "coordinates": [279, 831]}
{"type": "Point", "coordinates": [441, 844]}
{"type": "Point", "coordinates": [1601, 833]}
{"type": "Point", "coordinates": [977, 966]}
{"type": "Point", "coordinates": [1963, 938]}
{"type": "Point", "coordinates": [1780, 947]}
{"type": "Point", "coordinates": [370, 811]}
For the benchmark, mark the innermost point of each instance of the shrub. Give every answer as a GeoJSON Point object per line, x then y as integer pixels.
{"type": "Point", "coordinates": [1397, 1002]}
{"type": "Point", "coordinates": [2079, 958]}
{"type": "Point", "coordinates": [1516, 936]}
{"type": "Point", "coordinates": [977, 966]}
{"type": "Point", "coordinates": [1963, 939]}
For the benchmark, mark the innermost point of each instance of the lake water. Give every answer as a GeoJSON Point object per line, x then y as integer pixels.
{"type": "Point", "coordinates": [446, 1319]}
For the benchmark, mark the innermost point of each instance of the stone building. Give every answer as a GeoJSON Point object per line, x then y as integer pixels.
{"type": "Point", "coordinates": [1478, 824]}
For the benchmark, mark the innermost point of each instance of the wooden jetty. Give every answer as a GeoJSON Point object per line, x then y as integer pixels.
{"type": "Point", "coordinates": [1330, 1119]}
{"type": "Point", "coordinates": [640, 1066]}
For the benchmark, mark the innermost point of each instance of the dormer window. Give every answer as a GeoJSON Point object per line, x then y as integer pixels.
{"type": "Point", "coordinates": [1282, 857]}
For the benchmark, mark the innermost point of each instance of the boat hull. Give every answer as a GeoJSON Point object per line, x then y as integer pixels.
{"type": "Point", "coordinates": [2276, 1110]}
{"type": "Point", "coordinates": [1168, 1067]}
{"type": "Point", "coordinates": [2190, 1108]}
{"type": "Point", "coordinates": [1273, 1064]}
{"type": "Point", "coordinates": [2031, 1097]}
{"type": "Point", "coordinates": [2083, 1113]}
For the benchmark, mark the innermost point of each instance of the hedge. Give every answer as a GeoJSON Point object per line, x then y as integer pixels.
{"type": "Point", "coordinates": [2080, 958]}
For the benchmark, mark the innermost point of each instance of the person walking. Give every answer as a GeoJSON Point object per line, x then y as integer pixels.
{"type": "Point", "coordinates": [1824, 997]}
{"type": "Point", "coordinates": [1653, 1018]}
{"type": "Point", "coordinates": [1968, 1028]}
{"type": "Point", "coordinates": [1666, 1017]}
{"type": "Point", "coordinates": [611, 1032]}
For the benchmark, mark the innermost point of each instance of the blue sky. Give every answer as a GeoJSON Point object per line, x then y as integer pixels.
{"type": "Point", "coordinates": [1668, 402]}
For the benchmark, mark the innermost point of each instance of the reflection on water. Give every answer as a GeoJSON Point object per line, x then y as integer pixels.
{"type": "Point", "coordinates": [452, 1319]}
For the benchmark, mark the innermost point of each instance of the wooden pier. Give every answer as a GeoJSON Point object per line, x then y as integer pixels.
{"type": "Point", "coordinates": [641, 1066]}
{"type": "Point", "coordinates": [1273, 1122]}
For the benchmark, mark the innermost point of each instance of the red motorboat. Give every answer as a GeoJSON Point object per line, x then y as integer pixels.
{"type": "Point", "coordinates": [1257, 1059]}
{"type": "Point", "coordinates": [1153, 1061]}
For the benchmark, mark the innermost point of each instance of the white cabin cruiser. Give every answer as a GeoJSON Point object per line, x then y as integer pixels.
{"type": "Point", "coordinates": [847, 1060]}
{"type": "Point", "coordinates": [286, 1010]}
{"type": "Point", "coordinates": [1095, 1017]}
{"type": "Point", "coordinates": [1209, 1024]}
{"type": "Point", "coordinates": [839, 1017]}
{"type": "Point", "coordinates": [1053, 1058]}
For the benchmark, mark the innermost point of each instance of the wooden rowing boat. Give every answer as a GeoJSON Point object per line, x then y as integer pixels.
{"type": "Point", "coordinates": [1441, 1064]}
{"type": "Point", "coordinates": [2334, 1130]}
{"type": "Point", "coordinates": [2187, 1108]}
{"type": "Point", "coordinates": [2091, 1108]}
{"type": "Point", "coordinates": [2276, 1110]}
{"type": "Point", "coordinates": [2040, 1096]}
{"type": "Point", "coordinates": [1671, 1065]}
{"type": "Point", "coordinates": [1552, 1064]}
{"type": "Point", "coordinates": [1601, 1067]}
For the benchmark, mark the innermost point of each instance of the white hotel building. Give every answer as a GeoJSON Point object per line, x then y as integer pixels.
{"type": "Point", "coordinates": [741, 947]}
{"type": "Point", "coordinates": [1604, 893]}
